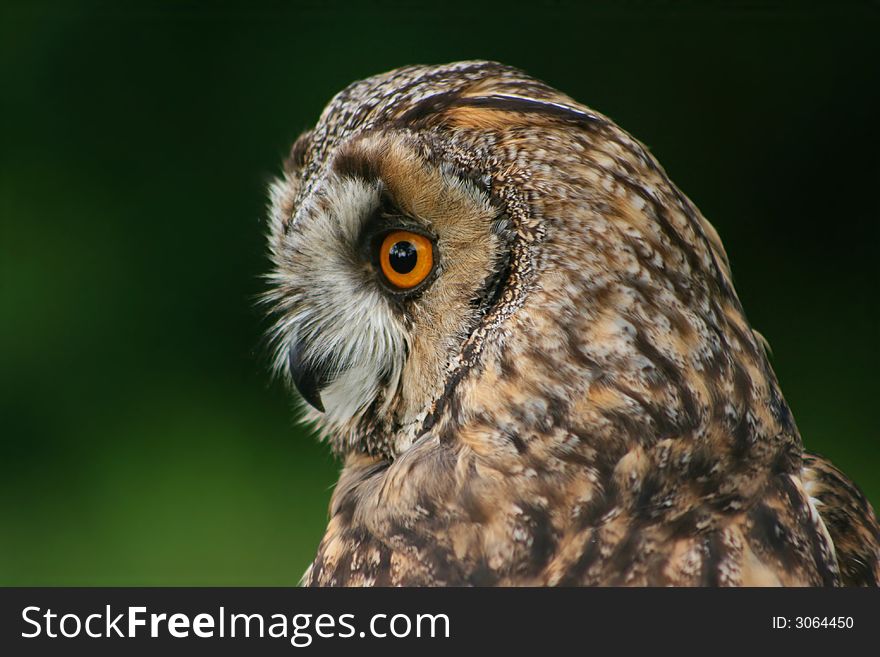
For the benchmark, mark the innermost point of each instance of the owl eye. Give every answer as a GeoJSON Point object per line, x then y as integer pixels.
{"type": "Point", "coordinates": [406, 258]}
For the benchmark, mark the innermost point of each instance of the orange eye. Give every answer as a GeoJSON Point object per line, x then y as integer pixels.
{"type": "Point", "coordinates": [406, 258]}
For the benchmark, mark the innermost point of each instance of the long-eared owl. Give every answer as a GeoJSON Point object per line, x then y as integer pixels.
{"type": "Point", "coordinates": [524, 343]}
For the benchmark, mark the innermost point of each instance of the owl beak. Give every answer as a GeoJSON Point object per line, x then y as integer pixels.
{"type": "Point", "coordinates": [308, 376]}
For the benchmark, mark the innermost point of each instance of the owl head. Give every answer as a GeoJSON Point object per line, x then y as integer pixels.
{"type": "Point", "coordinates": [460, 241]}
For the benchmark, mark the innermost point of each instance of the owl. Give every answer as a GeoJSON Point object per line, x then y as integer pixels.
{"type": "Point", "coordinates": [523, 343]}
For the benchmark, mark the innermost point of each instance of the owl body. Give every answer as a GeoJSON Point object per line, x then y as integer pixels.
{"type": "Point", "coordinates": [571, 395]}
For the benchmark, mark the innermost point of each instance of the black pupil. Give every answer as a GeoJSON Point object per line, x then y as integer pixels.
{"type": "Point", "coordinates": [403, 257]}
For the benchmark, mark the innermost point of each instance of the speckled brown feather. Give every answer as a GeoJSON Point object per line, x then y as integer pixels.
{"type": "Point", "coordinates": [598, 410]}
{"type": "Point", "coordinates": [849, 518]}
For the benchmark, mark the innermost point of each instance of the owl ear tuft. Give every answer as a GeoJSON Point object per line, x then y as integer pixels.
{"type": "Point", "coordinates": [298, 155]}
{"type": "Point", "coordinates": [358, 161]}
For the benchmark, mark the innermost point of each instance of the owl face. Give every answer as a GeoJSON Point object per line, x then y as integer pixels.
{"type": "Point", "coordinates": [384, 268]}
{"type": "Point", "coordinates": [463, 241]}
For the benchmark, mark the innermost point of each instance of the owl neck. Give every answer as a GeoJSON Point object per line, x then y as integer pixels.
{"type": "Point", "coordinates": [623, 383]}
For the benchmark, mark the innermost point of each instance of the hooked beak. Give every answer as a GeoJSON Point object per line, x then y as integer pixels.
{"type": "Point", "coordinates": [308, 376]}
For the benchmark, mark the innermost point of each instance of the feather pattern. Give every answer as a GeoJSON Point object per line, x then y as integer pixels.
{"type": "Point", "coordinates": [575, 397]}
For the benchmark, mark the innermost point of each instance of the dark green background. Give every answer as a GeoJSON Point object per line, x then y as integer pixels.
{"type": "Point", "coordinates": [142, 441]}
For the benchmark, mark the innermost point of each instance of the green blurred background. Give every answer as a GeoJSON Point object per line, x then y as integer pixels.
{"type": "Point", "coordinates": [142, 440]}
